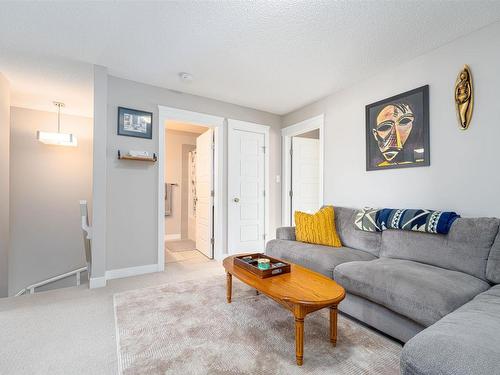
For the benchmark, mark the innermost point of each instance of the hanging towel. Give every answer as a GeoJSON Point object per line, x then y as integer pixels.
{"type": "Point", "coordinates": [168, 199]}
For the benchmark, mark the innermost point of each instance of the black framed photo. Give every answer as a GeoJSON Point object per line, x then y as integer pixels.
{"type": "Point", "coordinates": [135, 123]}
{"type": "Point", "coordinates": [397, 131]}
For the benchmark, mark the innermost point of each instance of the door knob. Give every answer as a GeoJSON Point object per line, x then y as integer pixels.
{"type": "Point", "coordinates": [236, 200]}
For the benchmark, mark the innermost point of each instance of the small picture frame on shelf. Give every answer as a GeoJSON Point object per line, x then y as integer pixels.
{"type": "Point", "coordinates": [135, 123]}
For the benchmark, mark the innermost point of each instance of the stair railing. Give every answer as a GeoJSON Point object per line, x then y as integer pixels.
{"type": "Point", "coordinates": [87, 235]}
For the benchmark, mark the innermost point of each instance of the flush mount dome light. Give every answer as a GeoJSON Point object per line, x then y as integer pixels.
{"type": "Point", "coordinates": [59, 139]}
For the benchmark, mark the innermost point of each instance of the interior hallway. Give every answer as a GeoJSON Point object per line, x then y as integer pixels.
{"type": "Point", "coordinates": [72, 330]}
{"type": "Point", "coordinates": [182, 250]}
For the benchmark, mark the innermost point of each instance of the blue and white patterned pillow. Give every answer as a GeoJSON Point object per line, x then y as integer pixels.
{"type": "Point", "coordinates": [366, 220]}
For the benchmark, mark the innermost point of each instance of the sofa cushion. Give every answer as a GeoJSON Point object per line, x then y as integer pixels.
{"type": "Point", "coordinates": [286, 233]}
{"type": "Point", "coordinates": [493, 265]}
{"type": "Point", "coordinates": [418, 291]}
{"type": "Point", "coordinates": [322, 259]}
{"type": "Point", "coordinates": [467, 341]}
{"type": "Point", "coordinates": [465, 248]}
{"type": "Point", "coordinates": [353, 237]}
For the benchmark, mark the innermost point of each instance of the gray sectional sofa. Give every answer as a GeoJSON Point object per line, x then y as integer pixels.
{"type": "Point", "coordinates": [436, 293]}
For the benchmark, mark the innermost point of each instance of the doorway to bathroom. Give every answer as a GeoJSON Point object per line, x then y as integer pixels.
{"type": "Point", "coordinates": [189, 168]}
{"type": "Point", "coordinates": [190, 212]}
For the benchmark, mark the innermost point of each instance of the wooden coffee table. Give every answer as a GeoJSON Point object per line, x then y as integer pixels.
{"type": "Point", "coordinates": [301, 291]}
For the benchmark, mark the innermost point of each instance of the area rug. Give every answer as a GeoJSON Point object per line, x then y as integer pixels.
{"type": "Point", "coordinates": [188, 328]}
{"type": "Point", "coordinates": [180, 245]}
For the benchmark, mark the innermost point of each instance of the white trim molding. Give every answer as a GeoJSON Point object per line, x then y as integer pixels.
{"type": "Point", "coordinates": [264, 129]}
{"type": "Point", "coordinates": [131, 271]}
{"type": "Point", "coordinates": [97, 282]}
{"type": "Point", "coordinates": [287, 133]}
{"type": "Point", "coordinates": [218, 124]}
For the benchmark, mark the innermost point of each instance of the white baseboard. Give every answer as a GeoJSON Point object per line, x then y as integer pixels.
{"type": "Point", "coordinates": [131, 271]}
{"type": "Point", "coordinates": [97, 282]}
{"type": "Point", "coordinates": [172, 237]}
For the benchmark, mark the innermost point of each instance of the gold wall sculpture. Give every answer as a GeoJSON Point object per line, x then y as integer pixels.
{"type": "Point", "coordinates": [464, 97]}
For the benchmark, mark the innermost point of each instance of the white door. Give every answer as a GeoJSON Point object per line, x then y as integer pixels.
{"type": "Point", "coordinates": [305, 175]}
{"type": "Point", "coordinates": [204, 187]}
{"type": "Point", "coordinates": [246, 191]}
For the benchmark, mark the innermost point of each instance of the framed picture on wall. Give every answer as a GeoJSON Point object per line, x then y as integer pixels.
{"type": "Point", "coordinates": [135, 123]}
{"type": "Point", "coordinates": [397, 131]}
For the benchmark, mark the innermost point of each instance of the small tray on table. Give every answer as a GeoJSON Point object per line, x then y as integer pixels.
{"type": "Point", "coordinates": [250, 262]}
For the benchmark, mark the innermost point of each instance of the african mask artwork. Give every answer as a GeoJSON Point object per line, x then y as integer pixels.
{"type": "Point", "coordinates": [464, 97]}
{"type": "Point", "coordinates": [397, 131]}
{"type": "Point", "coordinates": [394, 124]}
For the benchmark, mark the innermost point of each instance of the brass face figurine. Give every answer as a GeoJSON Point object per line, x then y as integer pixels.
{"type": "Point", "coordinates": [464, 97]}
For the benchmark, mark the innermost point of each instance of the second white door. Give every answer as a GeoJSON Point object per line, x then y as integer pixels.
{"type": "Point", "coordinates": [246, 191]}
{"type": "Point", "coordinates": [305, 175]}
{"type": "Point", "coordinates": [204, 188]}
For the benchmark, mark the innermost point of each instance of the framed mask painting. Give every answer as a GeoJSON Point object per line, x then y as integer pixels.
{"type": "Point", "coordinates": [397, 131]}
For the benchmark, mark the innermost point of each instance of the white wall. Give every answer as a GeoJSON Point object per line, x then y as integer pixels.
{"type": "Point", "coordinates": [4, 183]}
{"type": "Point", "coordinates": [464, 173]}
{"type": "Point", "coordinates": [132, 187]}
{"type": "Point", "coordinates": [46, 184]}
{"type": "Point", "coordinates": [173, 174]}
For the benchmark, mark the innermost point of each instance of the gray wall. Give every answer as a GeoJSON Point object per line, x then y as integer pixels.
{"type": "Point", "coordinates": [4, 183]}
{"type": "Point", "coordinates": [464, 172]}
{"type": "Point", "coordinates": [132, 187]}
{"type": "Point", "coordinates": [99, 181]}
{"type": "Point", "coordinates": [46, 185]}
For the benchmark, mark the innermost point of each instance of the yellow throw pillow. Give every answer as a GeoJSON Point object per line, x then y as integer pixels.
{"type": "Point", "coordinates": [318, 229]}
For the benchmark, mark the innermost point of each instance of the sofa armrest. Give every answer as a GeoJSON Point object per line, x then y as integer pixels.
{"type": "Point", "coordinates": [285, 233]}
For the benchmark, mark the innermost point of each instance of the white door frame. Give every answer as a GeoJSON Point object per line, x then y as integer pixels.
{"type": "Point", "coordinates": [264, 129]}
{"type": "Point", "coordinates": [197, 118]}
{"type": "Point", "coordinates": [287, 133]}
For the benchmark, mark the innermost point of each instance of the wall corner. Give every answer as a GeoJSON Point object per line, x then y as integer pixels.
{"type": "Point", "coordinates": [99, 178]}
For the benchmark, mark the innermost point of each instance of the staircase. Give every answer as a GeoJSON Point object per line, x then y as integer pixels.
{"type": "Point", "coordinates": [87, 234]}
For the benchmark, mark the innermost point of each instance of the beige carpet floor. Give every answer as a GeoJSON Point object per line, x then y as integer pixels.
{"type": "Point", "coordinates": [71, 331]}
{"type": "Point", "coordinates": [188, 328]}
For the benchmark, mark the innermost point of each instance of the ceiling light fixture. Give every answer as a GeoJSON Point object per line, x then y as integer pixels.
{"type": "Point", "coordinates": [59, 139]}
{"type": "Point", "coordinates": [186, 77]}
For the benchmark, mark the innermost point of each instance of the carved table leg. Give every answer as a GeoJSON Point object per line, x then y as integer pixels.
{"type": "Point", "coordinates": [299, 340]}
{"type": "Point", "coordinates": [229, 282]}
{"type": "Point", "coordinates": [333, 325]}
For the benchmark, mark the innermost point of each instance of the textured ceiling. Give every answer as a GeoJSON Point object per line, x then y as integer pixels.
{"type": "Point", "coordinates": [270, 55]}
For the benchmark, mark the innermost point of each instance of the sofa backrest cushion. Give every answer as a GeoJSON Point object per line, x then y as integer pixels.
{"type": "Point", "coordinates": [353, 237]}
{"type": "Point", "coordinates": [465, 248]}
{"type": "Point", "coordinates": [493, 266]}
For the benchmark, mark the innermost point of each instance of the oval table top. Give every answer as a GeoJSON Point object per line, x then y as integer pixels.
{"type": "Point", "coordinates": [300, 286]}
